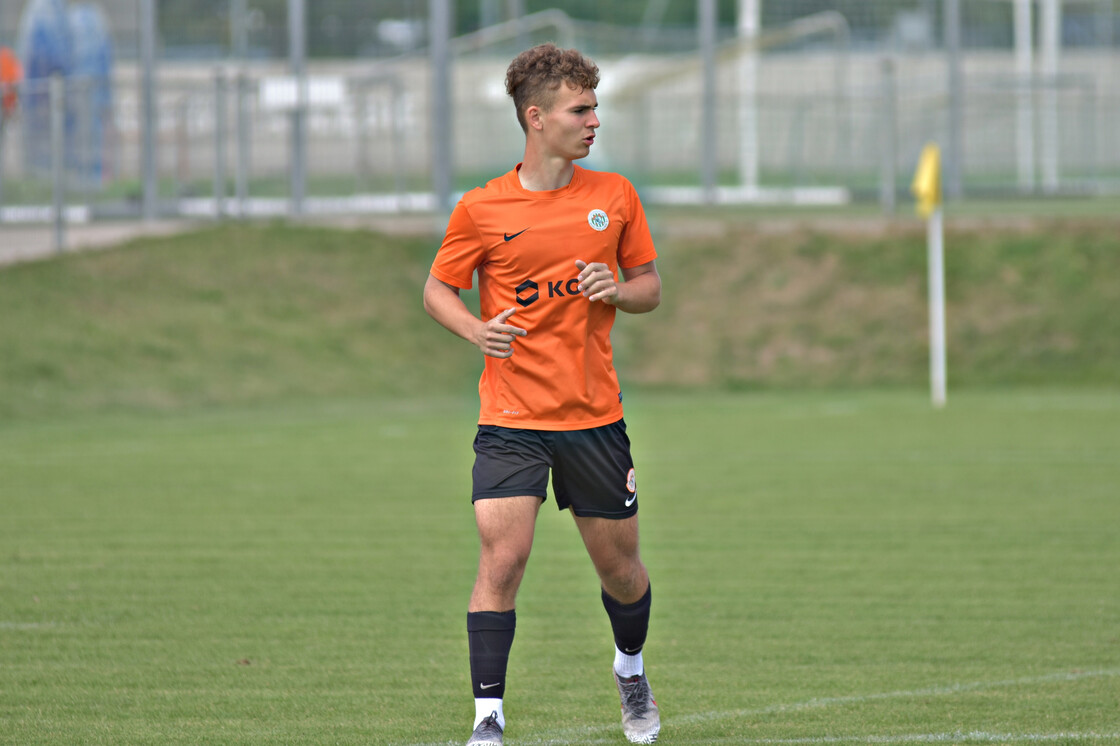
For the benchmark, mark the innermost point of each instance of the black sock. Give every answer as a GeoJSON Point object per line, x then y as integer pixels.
{"type": "Point", "coordinates": [630, 622]}
{"type": "Point", "coordinates": [489, 638]}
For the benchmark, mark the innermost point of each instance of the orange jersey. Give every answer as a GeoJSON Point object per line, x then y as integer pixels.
{"type": "Point", "coordinates": [524, 246]}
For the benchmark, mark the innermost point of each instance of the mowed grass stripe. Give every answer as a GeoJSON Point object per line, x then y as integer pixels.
{"type": "Point", "coordinates": [597, 735]}
{"type": "Point", "coordinates": [957, 737]}
{"type": "Point", "coordinates": [299, 573]}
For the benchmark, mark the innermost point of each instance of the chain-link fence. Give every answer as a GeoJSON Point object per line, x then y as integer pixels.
{"type": "Point", "coordinates": [239, 112]}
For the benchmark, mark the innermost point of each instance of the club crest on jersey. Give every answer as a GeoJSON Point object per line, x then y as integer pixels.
{"type": "Point", "coordinates": [598, 220]}
{"type": "Point", "coordinates": [631, 482]}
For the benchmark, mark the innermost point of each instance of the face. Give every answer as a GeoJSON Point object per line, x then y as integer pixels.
{"type": "Point", "coordinates": [568, 128]}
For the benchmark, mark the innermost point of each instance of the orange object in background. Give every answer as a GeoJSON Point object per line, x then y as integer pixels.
{"type": "Point", "coordinates": [11, 73]}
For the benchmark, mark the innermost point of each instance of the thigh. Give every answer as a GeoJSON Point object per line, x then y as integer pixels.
{"type": "Point", "coordinates": [610, 542]}
{"type": "Point", "coordinates": [506, 524]}
{"type": "Point", "coordinates": [593, 472]}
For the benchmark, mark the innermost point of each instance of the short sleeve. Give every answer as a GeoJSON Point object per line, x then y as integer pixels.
{"type": "Point", "coordinates": [635, 246]}
{"type": "Point", "coordinates": [461, 252]}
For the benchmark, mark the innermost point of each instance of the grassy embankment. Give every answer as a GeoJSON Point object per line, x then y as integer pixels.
{"type": "Point", "coordinates": [257, 313]}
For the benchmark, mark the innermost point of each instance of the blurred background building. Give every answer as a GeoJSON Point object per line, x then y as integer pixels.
{"type": "Point", "coordinates": [229, 107]}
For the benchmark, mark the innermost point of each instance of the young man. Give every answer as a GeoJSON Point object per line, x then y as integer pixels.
{"type": "Point", "coordinates": [547, 240]}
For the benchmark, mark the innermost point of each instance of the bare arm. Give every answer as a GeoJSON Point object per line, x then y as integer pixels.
{"type": "Point", "coordinates": [640, 293]}
{"type": "Point", "coordinates": [494, 337]}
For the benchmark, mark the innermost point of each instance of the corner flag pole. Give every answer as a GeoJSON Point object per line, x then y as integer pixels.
{"type": "Point", "coordinates": [927, 190]}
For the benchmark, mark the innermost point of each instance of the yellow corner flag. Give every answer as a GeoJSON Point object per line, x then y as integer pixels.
{"type": "Point", "coordinates": [927, 180]}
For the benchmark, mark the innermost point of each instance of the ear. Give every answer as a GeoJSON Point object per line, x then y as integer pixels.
{"type": "Point", "coordinates": [534, 117]}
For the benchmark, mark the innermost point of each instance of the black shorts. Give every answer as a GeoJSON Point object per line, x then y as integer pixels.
{"type": "Point", "coordinates": [592, 471]}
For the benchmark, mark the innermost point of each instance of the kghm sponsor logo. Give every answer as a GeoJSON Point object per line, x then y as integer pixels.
{"type": "Point", "coordinates": [529, 292]}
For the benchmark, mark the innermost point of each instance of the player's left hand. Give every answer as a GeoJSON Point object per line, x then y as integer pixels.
{"type": "Point", "coordinates": [597, 282]}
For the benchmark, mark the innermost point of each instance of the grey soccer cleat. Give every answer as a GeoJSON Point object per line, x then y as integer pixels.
{"type": "Point", "coordinates": [488, 732]}
{"type": "Point", "coordinates": [641, 721]}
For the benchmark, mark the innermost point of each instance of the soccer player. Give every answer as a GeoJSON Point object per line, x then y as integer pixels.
{"type": "Point", "coordinates": [548, 240]}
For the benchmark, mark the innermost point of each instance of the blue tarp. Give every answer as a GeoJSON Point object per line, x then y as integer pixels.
{"type": "Point", "coordinates": [74, 42]}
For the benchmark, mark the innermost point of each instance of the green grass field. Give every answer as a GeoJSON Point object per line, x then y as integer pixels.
{"type": "Point", "coordinates": [827, 568]}
{"type": "Point", "coordinates": [234, 474]}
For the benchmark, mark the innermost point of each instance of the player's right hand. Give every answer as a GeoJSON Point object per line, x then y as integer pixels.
{"type": "Point", "coordinates": [495, 337]}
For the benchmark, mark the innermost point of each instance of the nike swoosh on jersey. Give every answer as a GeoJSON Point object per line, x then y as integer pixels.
{"type": "Point", "coordinates": [630, 500]}
{"type": "Point", "coordinates": [511, 236]}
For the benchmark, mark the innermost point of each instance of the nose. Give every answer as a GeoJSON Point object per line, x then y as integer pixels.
{"type": "Point", "coordinates": [594, 121]}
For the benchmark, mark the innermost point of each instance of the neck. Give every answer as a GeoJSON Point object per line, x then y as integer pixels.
{"type": "Point", "coordinates": [539, 174]}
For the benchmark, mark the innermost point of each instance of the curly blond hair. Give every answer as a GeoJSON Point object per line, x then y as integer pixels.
{"type": "Point", "coordinates": [535, 75]}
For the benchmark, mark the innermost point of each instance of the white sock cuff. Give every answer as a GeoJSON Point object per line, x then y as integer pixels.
{"type": "Point", "coordinates": [484, 707]}
{"type": "Point", "coordinates": [628, 665]}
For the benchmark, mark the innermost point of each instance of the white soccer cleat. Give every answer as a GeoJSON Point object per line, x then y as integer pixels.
{"type": "Point", "coordinates": [641, 720]}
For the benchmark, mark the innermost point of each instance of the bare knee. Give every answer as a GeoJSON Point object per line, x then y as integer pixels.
{"type": "Point", "coordinates": [613, 546]}
{"type": "Point", "coordinates": [502, 569]}
{"type": "Point", "coordinates": [626, 580]}
{"type": "Point", "coordinates": [499, 576]}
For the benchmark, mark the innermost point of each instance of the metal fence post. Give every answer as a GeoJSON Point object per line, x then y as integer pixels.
{"type": "Point", "coordinates": [148, 30]}
{"type": "Point", "coordinates": [396, 125]}
{"type": "Point", "coordinates": [888, 190]}
{"type": "Point", "coordinates": [440, 39]}
{"type": "Point", "coordinates": [516, 13]}
{"type": "Point", "coordinates": [239, 31]}
{"type": "Point", "coordinates": [954, 152]}
{"type": "Point", "coordinates": [219, 143]}
{"type": "Point", "coordinates": [58, 159]}
{"type": "Point", "coordinates": [1050, 43]}
{"type": "Point", "coordinates": [243, 144]}
{"type": "Point", "coordinates": [183, 146]}
{"type": "Point", "coordinates": [706, 25]}
{"type": "Point", "coordinates": [239, 28]}
{"type": "Point", "coordinates": [1024, 96]}
{"type": "Point", "coordinates": [361, 126]}
{"type": "Point", "coordinates": [297, 56]}
{"type": "Point", "coordinates": [749, 27]}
